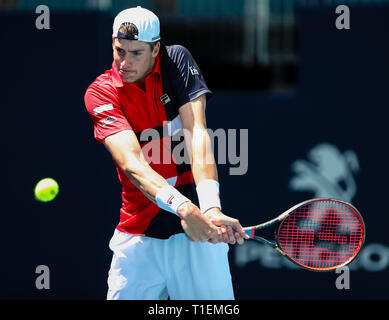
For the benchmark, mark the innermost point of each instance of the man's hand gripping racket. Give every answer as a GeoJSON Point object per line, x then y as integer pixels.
{"type": "Point", "coordinates": [319, 234]}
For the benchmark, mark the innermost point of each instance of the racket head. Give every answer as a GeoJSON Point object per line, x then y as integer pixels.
{"type": "Point", "coordinates": [321, 234]}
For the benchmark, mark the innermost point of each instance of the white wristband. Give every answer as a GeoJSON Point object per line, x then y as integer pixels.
{"type": "Point", "coordinates": [169, 198]}
{"type": "Point", "coordinates": [208, 194]}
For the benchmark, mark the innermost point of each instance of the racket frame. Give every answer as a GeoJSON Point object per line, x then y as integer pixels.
{"type": "Point", "coordinates": [251, 231]}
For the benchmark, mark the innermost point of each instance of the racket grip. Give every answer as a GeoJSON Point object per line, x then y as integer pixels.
{"type": "Point", "coordinates": [249, 230]}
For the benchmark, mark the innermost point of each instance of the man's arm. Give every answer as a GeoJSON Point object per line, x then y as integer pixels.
{"type": "Point", "coordinates": [127, 153]}
{"type": "Point", "coordinates": [204, 166]}
{"type": "Point", "coordinates": [197, 140]}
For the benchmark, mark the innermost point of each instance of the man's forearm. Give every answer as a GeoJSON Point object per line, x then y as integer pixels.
{"type": "Point", "coordinates": [128, 155]}
{"type": "Point", "coordinates": [143, 176]}
{"type": "Point", "coordinates": [154, 186]}
{"type": "Point", "coordinates": [203, 160]}
{"type": "Point", "coordinates": [205, 171]}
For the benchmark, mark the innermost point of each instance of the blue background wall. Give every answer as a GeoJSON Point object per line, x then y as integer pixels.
{"type": "Point", "coordinates": [341, 100]}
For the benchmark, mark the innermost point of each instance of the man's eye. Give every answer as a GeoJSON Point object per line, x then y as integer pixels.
{"type": "Point", "coordinates": [120, 51]}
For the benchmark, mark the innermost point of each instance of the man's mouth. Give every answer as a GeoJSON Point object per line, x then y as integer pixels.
{"type": "Point", "coordinates": [127, 71]}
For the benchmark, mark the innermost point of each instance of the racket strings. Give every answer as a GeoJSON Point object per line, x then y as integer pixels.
{"type": "Point", "coordinates": [322, 234]}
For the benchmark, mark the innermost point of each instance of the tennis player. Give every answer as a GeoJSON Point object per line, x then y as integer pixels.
{"type": "Point", "coordinates": [164, 244]}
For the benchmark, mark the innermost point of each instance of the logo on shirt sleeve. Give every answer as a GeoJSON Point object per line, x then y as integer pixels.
{"type": "Point", "coordinates": [103, 108]}
{"type": "Point", "coordinates": [108, 120]}
{"type": "Point", "coordinates": [194, 71]}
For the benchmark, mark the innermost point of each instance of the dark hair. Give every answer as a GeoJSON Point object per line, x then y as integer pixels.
{"type": "Point", "coordinates": [130, 28]}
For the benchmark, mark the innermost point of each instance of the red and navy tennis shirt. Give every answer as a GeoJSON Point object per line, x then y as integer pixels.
{"type": "Point", "coordinates": [115, 106]}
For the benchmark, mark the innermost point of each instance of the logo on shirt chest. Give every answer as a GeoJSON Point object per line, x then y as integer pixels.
{"type": "Point", "coordinates": [164, 99]}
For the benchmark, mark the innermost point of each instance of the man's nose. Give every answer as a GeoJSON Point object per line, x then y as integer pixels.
{"type": "Point", "coordinates": [126, 63]}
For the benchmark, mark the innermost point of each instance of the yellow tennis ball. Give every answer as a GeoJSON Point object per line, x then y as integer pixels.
{"type": "Point", "coordinates": [46, 190]}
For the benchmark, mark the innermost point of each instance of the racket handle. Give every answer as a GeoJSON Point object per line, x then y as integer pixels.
{"type": "Point", "coordinates": [249, 230]}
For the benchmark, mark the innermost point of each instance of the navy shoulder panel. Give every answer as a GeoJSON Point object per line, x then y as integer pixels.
{"type": "Point", "coordinates": [181, 76]}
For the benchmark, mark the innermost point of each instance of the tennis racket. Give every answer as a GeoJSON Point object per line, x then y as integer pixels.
{"type": "Point", "coordinates": [318, 234]}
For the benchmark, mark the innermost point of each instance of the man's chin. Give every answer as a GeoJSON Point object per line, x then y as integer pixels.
{"type": "Point", "coordinates": [128, 79]}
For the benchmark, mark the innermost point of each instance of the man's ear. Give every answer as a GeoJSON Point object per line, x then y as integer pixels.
{"type": "Point", "coordinates": [156, 49]}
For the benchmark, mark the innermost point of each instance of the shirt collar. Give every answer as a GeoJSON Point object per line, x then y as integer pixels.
{"type": "Point", "coordinates": [117, 81]}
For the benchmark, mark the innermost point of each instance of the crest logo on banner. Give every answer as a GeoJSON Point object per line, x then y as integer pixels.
{"type": "Point", "coordinates": [327, 172]}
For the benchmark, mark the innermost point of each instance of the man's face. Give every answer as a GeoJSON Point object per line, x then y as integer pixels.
{"type": "Point", "coordinates": [134, 59]}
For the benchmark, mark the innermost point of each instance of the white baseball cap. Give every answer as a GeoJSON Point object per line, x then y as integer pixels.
{"type": "Point", "coordinates": [145, 21]}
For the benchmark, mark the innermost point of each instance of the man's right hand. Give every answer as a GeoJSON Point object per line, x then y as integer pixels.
{"type": "Point", "coordinates": [196, 225]}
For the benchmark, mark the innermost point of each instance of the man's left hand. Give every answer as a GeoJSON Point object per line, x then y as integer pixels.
{"type": "Point", "coordinates": [230, 230]}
